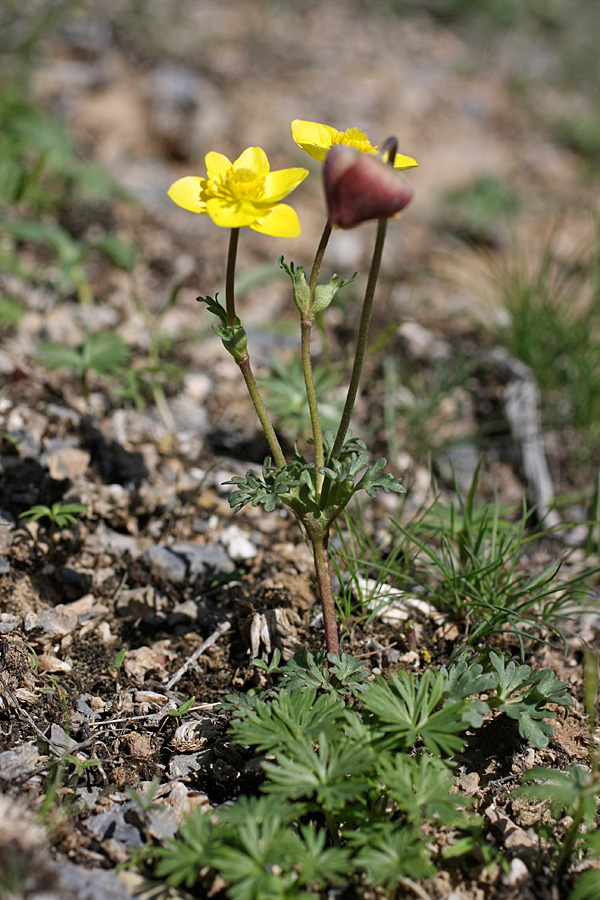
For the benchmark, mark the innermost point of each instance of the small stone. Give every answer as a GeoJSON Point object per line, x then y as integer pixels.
{"type": "Point", "coordinates": [237, 543]}
{"type": "Point", "coordinates": [112, 824]}
{"type": "Point", "coordinates": [197, 386]}
{"type": "Point", "coordinates": [185, 561]}
{"type": "Point", "coordinates": [49, 663]}
{"type": "Point", "coordinates": [423, 345]}
{"type": "Point", "coordinates": [8, 623]}
{"type": "Point", "coordinates": [162, 824]}
{"type": "Point", "coordinates": [518, 872]}
{"type": "Point", "coordinates": [184, 764]}
{"type": "Point", "coordinates": [185, 613]}
{"type": "Point", "coordinates": [137, 603]}
{"type": "Point", "coordinates": [104, 538]}
{"type": "Point", "coordinates": [18, 763]}
{"type": "Point", "coordinates": [69, 462]}
{"type": "Point", "coordinates": [469, 782]}
{"type": "Point", "coordinates": [166, 563]}
{"type": "Point", "coordinates": [60, 738]}
{"type": "Point", "coordinates": [57, 621]}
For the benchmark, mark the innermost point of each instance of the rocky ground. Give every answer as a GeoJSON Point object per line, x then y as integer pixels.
{"type": "Point", "coordinates": [158, 593]}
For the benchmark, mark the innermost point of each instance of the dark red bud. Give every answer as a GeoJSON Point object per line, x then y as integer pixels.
{"type": "Point", "coordinates": [359, 187]}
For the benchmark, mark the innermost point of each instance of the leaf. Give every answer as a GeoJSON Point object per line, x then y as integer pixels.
{"type": "Point", "coordinates": [389, 852]}
{"type": "Point", "coordinates": [334, 673]}
{"type": "Point", "coordinates": [104, 352]}
{"type": "Point", "coordinates": [326, 771]}
{"type": "Point", "coordinates": [181, 859]}
{"type": "Point", "coordinates": [275, 725]}
{"type": "Point", "coordinates": [122, 253]}
{"type": "Point", "coordinates": [101, 352]}
{"type": "Point", "coordinates": [408, 709]}
{"type": "Point", "coordinates": [587, 886]}
{"type": "Point", "coordinates": [423, 788]}
{"type": "Point", "coordinates": [183, 709]}
{"type": "Point", "coordinates": [561, 790]}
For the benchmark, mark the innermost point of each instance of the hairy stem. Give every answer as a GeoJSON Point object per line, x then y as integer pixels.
{"type": "Point", "coordinates": [321, 555]}
{"type": "Point", "coordinates": [314, 272]}
{"type": "Point", "coordinates": [230, 276]}
{"type": "Point", "coordinates": [261, 412]}
{"type": "Point", "coordinates": [361, 341]}
{"type": "Point", "coordinates": [244, 364]}
{"type": "Point", "coordinates": [311, 396]}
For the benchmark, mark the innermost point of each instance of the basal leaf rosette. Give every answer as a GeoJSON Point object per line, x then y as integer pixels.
{"type": "Point", "coordinates": [317, 140]}
{"type": "Point", "coordinates": [242, 193]}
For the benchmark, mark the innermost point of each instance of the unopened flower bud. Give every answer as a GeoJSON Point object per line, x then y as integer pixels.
{"type": "Point", "coordinates": [324, 293]}
{"type": "Point", "coordinates": [359, 187]}
{"type": "Point", "coordinates": [234, 340]}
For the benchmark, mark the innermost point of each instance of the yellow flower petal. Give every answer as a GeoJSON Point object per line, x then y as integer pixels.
{"type": "Point", "coordinates": [318, 139]}
{"type": "Point", "coordinates": [186, 193]}
{"type": "Point", "coordinates": [314, 138]}
{"type": "Point", "coordinates": [217, 165]}
{"type": "Point", "coordinates": [280, 221]}
{"type": "Point", "coordinates": [281, 183]}
{"type": "Point", "coordinates": [254, 159]}
{"type": "Point", "coordinates": [232, 214]}
{"type": "Point", "coordinates": [404, 162]}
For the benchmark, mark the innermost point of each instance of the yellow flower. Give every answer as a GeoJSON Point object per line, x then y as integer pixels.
{"type": "Point", "coordinates": [317, 140]}
{"type": "Point", "coordinates": [242, 193]}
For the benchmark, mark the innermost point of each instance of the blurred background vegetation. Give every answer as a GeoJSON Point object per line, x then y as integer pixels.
{"type": "Point", "coordinates": [502, 244]}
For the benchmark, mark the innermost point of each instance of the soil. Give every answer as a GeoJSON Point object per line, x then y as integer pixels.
{"type": "Point", "coordinates": [102, 623]}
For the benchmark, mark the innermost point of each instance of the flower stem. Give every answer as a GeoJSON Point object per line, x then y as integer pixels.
{"type": "Point", "coordinates": [307, 324]}
{"type": "Point", "coordinates": [261, 412]}
{"type": "Point", "coordinates": [244, 364]}
{"type": "Point", "coordinates": [321, 556]}
{"type": "Point", "coordinates": [314, 272]}
{"type": "Point", "coordinates": [230, 276]}
{"type": "Point", "coordinates": [361, 341]}
{"type": "Point", "coordinates": [311, 396]}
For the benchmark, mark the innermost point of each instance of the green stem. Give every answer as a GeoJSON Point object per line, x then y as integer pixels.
{"type": "Point", "coordinates": [244, 364]}
{"type": "Point", "coordinates": [261, 412]}
{"type": "Point", "coordinates": [307, 324]}
{"type": "Point", "coordinates": [314, 272]}
{"type": "Point", "coordinates": [570, 838]}
{"type": "Point", "coordinates": [311, 396]}
{"type": "Point", "coordinates": [331, 825]}
{"type": "Point", "coordinates": [230, 276]}
{"type": "Point", "coordinates": [361, 341]}
{"type": "Point", "coordinates": [321, 555]}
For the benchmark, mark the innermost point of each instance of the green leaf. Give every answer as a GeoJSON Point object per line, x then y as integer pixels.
{"type": "Point", "coordinates": [389, 852]}
{"type": "Point", "coordinates": [181, 859]}
{"type": "Point", "coordinates": [408, 710]}
{"type": "Point", "coordinates": [561, 790]}
{"type": "Point", "coordinates": [423, 788]}
{"type": "Point", "coordinates": [587, 886]}
{"type": "Point", "coordinates": [120, 252]}
{"type": "Point", "coordinates": [275, 725]}
{"type": "Point", "coordinates": [183, 709]}
{"type": "Point", "coordinates": [332, 673]}
{"type": "Point", "coordinates": [323, 771]}
{"type": "Point", "coordinates": [101, 352]}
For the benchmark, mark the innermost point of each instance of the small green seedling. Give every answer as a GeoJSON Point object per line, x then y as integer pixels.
{"type": "Point", "coordinates": [183, 709]}
{"type": "Point", "coordinates": [58, 515]}
{"type": "Point", "coordinates": [102, 352]}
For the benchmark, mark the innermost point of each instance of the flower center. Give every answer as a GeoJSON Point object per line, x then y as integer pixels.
{"type": "Point", "coordinates": [356, 138]}
{"type": "Point", "coordinates": [237, 184]}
